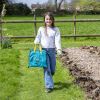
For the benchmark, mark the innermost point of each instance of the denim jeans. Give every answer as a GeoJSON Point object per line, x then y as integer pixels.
{"type": "Point", "coordinates": [49, 71]}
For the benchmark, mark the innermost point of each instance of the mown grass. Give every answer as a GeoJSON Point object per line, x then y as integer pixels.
{"type": "Point", "coordinates": [33, 88]}
{"type": "Point", "coordinates": [18, 82]}
{"type": "Point", "coordinates": [80, 42]}
{"type": "Point", "coordinates": [9, 73]}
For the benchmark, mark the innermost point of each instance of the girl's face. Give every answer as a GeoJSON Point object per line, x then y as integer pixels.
{"type": "Point", "coordinates": [48, 21]}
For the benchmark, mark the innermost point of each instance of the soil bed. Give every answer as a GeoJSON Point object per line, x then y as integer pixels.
{"type": "Point", "coordinates": [84, 65]}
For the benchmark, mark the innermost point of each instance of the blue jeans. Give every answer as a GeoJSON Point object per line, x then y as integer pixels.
{"type": "Point", "coordinates": [50, 70]}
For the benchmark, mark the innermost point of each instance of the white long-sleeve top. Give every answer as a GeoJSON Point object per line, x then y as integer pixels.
{"type": "Point", "coordinates": [52, 40]}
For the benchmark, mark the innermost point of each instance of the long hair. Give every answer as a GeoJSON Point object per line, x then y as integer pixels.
{"type": "Point", "coordinates": [51, 18]}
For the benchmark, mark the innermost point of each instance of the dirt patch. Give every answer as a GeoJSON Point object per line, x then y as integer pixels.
{"type": "Point", "coordinates": [84, 65]}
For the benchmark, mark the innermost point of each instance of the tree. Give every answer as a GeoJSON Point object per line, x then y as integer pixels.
{"type": "Point", "coordinates": [18, 9]}
{"type": "Point", "coordinates": [50, 5]}
{"type": "Point", "coordinates": [58, 4]}
{"type": "Point", "coordinates": [86, 5]}
{"type": "Point", "coordinates": [1, 5]}
{"type": "Point", "coordinates": [5, 2]}
{"type": "Point", "coordinates": [90, 5]}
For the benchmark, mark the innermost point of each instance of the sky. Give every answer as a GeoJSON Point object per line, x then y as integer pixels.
{"type": "Point", "coordinates": [29, 2]}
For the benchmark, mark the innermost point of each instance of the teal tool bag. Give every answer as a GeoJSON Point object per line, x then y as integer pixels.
{"type": "Point", "coordinates": [37, 57]}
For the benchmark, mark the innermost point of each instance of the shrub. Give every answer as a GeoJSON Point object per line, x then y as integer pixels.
{"type": "Point", "coordinates": [6, 43]}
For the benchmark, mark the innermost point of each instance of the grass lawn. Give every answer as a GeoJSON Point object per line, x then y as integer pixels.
{"type": "Point", "coordinates": [9, 73]}
{"type": "Point", "coordinates": [80, 42]}
{"type": "Point", "coordinates": [18, 82]}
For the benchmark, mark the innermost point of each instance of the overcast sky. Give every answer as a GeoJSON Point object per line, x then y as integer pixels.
{"type": "Point", "coordinates": [29, 2]}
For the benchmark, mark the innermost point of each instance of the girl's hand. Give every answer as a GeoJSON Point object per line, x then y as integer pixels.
{"type": "Point", "coordinates": [59, 52]}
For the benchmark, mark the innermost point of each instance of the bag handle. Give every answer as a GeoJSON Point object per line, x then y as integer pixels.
{"type": "Point", "coordinates": [39, 47]}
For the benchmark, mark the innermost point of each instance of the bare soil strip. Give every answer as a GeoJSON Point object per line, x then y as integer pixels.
{"type": "Point", "coordinates": [84, 65]}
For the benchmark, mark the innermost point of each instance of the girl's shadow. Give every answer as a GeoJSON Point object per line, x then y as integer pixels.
{"type": "Point", "coordinates": [61, 85]}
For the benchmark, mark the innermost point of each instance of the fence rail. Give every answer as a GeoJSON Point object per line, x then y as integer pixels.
{"type": "Point", "coordinates": [41, 21]}
{"type": "Point", "coordinates": [64, 36]}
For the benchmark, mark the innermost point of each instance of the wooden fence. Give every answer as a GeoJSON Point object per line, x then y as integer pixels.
{"type": "Point", "coordinates": [74, 21]}
{"type": "Point", "coordinates": [57, 21]}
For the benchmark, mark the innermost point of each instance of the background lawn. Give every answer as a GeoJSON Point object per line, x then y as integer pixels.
{"type": "Point", "coordinates": [9, 73]}
{"type": "Point", "coordinates": [18, 82]}
{"type": "Point", "coordinates": [65, 28]}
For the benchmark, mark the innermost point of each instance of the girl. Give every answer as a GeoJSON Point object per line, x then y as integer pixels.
{"type": "Point", "coordinates": [49, 38]}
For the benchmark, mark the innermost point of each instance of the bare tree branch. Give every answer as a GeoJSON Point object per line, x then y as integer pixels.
{"type": "Point", "coordinates": [59, 5]}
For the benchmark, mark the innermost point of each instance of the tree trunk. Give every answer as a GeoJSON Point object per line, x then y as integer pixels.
{"type": "Point", "coordinates": [59, 6]}
{"type": "Point", "coordinates": [55, 5]}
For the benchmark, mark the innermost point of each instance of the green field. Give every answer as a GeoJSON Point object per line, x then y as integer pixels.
{"type": "Point", "coordinates": [65, 28]}
{"type": "Point", "coordinates": [17, 82]}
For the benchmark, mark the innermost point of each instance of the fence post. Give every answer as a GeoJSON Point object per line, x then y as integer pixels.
{"type": "Point", "coordinates": [1, 30]}
{"type": "Point", "coordinates": [35, 26]}
{"type": "Point", "coordinates": [75, 25]}
{"type": "Point", "coordinates": [1, 16]}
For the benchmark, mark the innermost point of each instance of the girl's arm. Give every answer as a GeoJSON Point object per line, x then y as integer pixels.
{"type": "Point", "coordinates": [58, 41]}
{"type": "Point", "coordinates": [38, 37]}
